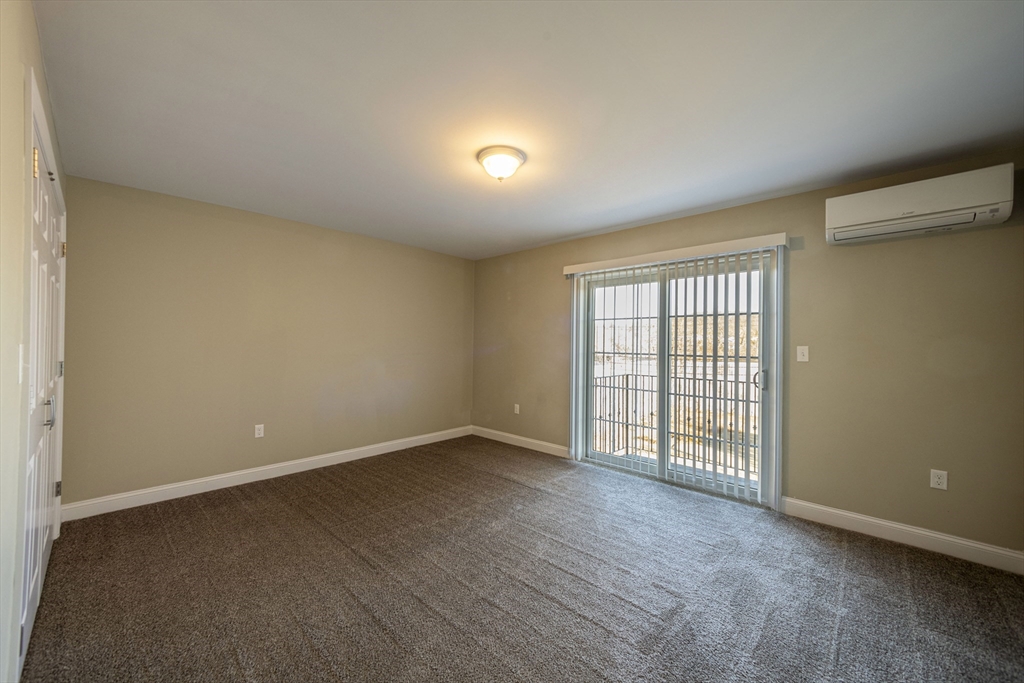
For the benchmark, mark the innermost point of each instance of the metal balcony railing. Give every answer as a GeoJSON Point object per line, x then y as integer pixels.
{"type": "Point", "coordinates": [625, 417]}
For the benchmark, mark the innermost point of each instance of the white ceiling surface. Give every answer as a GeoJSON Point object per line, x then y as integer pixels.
{"type": "Point", "coordinates": [368, 117]}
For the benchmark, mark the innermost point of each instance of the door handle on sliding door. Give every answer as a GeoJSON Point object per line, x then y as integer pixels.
{"type": "Point", "coordinates": [763, 373]}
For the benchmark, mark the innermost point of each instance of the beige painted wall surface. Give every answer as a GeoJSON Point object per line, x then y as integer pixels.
{"type": "Point", "coordinates": [19, 53]}
{"type": "Point", "coordinates": [189, 323]}
{"type": "Point", "coordinates": [916, 347]}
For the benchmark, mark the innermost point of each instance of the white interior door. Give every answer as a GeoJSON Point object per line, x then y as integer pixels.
{"type": "Point", "coordinates": [45, 371]}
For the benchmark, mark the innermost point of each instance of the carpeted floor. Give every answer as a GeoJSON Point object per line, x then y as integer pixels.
{"type": "Point", "coordinates": [470, 560]}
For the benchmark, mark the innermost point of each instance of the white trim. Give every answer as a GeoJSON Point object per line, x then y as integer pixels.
{"type": "Point", "coordinates": [965, 549]}
{"type": "Point", "coordinates": [779, 321]}
{"type": "Point", "coordinates": [982, 553]}
{"type": "Point", "coordinates": [156, 494]}
{"type": "Point", "coordinates": [516, 440]}
{"type": "Point", "coordinates": [747, 244]}
{"type": "Point", "coordinates": [42, 125]}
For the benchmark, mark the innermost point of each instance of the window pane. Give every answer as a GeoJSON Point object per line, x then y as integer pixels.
{"type": "Point", "coordinates": [625, 390]}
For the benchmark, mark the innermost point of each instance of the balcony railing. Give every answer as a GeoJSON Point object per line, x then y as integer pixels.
{"type": "Point", "coordinates": [713, 418]}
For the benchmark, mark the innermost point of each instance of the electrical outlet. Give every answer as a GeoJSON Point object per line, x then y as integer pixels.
{"type": "Point", "coordinates": [802, 354]}
{"type": "Point", "coordinates": [516, 408]}
{"type": "Point", "coordinates": [939, 479]}
{"type": "Point", "coordinates": [259, 431]}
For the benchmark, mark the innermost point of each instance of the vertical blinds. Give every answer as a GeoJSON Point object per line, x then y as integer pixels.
{"type": "Point", "coordinates": [670, 372]}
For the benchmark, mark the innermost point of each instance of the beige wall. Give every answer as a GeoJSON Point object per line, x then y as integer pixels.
{"type": "Point", "coordinates": [189, 323]}
{"type": "Point", "coordinates": [916, 347]}
{"type": "Point", "coordinates": [19, 54]}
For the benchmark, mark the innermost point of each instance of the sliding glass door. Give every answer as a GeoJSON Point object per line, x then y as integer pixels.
{"type": "Point", "coordinates": [714, 370]}
{"type": "Point", "coordinates": [676, 374]}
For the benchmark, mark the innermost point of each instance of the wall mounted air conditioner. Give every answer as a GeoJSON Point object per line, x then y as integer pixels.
{"type": "Point", "coordinates": [953, 202]}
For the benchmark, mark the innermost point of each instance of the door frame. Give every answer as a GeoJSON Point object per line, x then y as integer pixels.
{"type": "Point", "coordinates": [769, 492]}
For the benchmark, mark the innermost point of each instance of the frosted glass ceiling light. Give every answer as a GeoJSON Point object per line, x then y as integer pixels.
{"type": "Point", "coordinates": [501, 162]}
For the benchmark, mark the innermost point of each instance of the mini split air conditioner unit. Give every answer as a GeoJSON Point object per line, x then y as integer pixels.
{"type": "Point", "coordinates": [953, 202]}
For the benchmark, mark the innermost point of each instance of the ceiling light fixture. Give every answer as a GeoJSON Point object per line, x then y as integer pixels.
{"type": "Point", "coordinates": [501, 162]}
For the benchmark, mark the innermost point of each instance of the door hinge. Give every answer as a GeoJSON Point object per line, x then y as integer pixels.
{"type": "Point", "coordinates": [21, 641]}
{"type": "Point", "coordinates": [63, 249]}
{"type": "Point", "coordinates": [56, 489]}
{"type": "Point", "coordinates": [35, 162]}
{"type": "Point", "coordinates": [60, 369]}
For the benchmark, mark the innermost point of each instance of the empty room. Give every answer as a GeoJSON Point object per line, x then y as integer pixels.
{"type": "Point", "coordinates": [511, 341]}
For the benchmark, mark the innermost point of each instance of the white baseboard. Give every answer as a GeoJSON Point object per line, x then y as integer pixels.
{"type": "Point", "coordinates": [965, 549]}
{"type": "Point", "coordinates": [982, 553]}
{"type": "Point", "coordinates": [516, 440]}
{"type": "Point", "coordinates": [156, 494]}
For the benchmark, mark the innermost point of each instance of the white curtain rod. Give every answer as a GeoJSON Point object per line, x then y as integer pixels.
{"type": "Point", "coordinates": [747, 244]}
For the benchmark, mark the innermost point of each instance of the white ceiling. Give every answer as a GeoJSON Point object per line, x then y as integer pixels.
{"type": "Point", "coordinates": [367, 117]}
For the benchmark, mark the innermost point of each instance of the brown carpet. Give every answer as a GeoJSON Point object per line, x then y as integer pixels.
{"type": "Point", "coordinates": [470, 560]}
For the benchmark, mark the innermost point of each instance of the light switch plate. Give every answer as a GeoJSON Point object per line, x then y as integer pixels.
{"type": "Point", "coordinates": [803, 354]}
